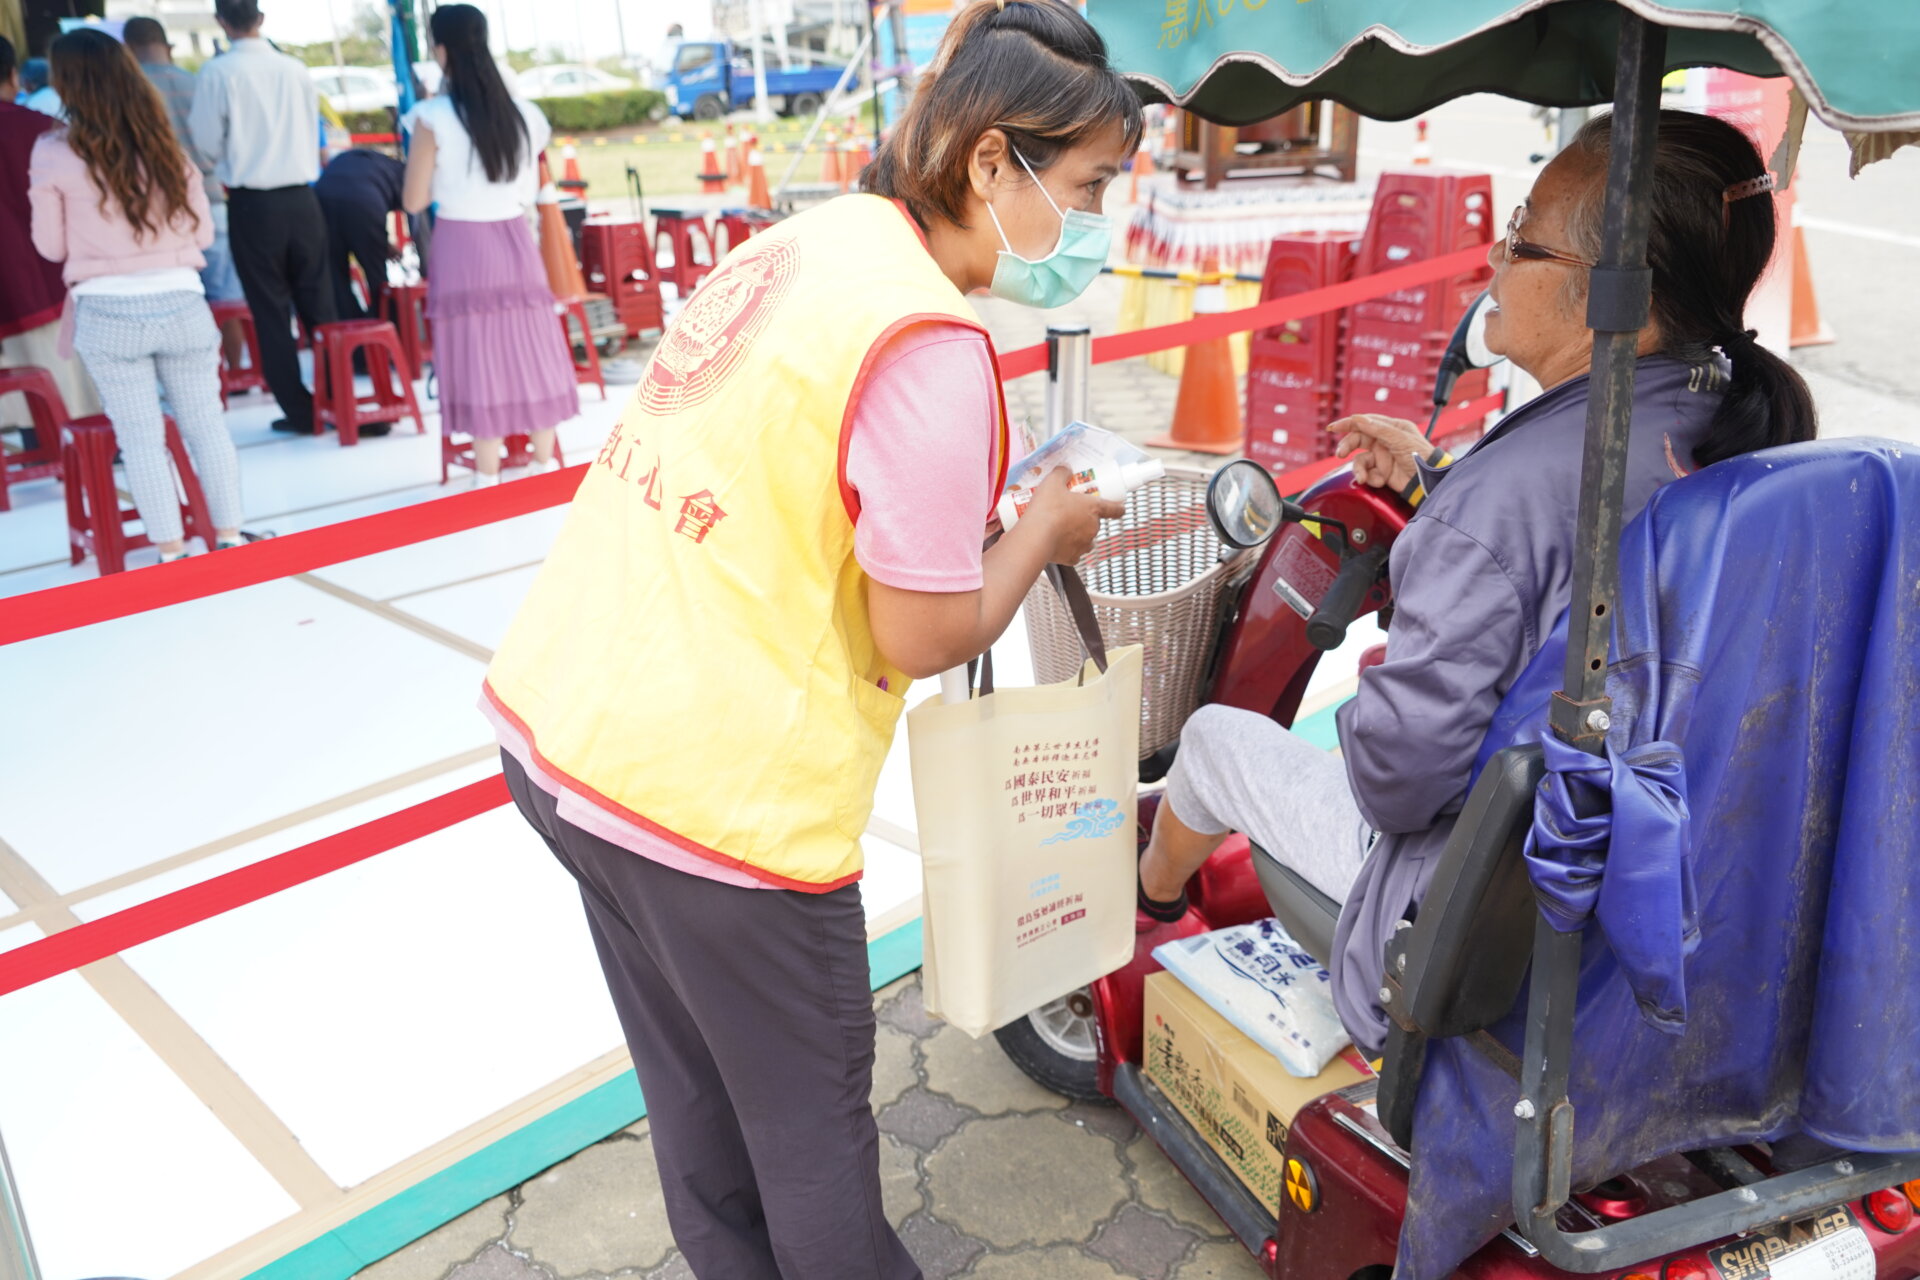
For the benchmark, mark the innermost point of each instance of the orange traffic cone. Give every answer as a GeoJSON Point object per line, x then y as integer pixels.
{"type": "Point", "coordinates": [556, 245]}
{"type": "Point", "coordinates": [830, 161]}
{"type": "Point", "coordinates": [713, 181]}
{"type": "Point", "coordinates": [859, 156]}
{"type": "Point", "coordinates": [757, 196]}
{"type": "Point", "coordinates": [1142, 168]}
{"type": "Point", "coordinates": [1805, 328]}
{"type": "Point", "coordinates": [1422, 149]}
{"type": "Point", "coordinates": [570, 171]}
{"type": "Point", "coordinates": [1206, 416]}
{"type": "Point", "coordinates": [736, 166]}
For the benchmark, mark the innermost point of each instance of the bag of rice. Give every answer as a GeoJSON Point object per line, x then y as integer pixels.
{"type": "Point", "coordinates": [1257, 977]}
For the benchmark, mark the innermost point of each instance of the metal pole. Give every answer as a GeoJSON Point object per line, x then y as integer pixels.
{"type": "Point", "coordinates": [1069, 371]}
{"type": "Point", "coordinates": [16, 1246]}
{"type": "Point", "coordinates": [873, 74]}
{"type": "Point", "coordinates": [1618, 298]}
{"type": "Point", "coordinates": [761, 35]}
{"type": "Point", "coordinates": [1566, 124]}
{"type": "Point", "coordinates": [1617, 306]}
{"type": "Point", "coordinates": [620, 24]}
{"type": "Point", "coordinates": [820, 117]}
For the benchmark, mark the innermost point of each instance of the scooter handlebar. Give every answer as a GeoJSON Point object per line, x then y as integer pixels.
{"type": "Point", "coordinates": [1327, 628]}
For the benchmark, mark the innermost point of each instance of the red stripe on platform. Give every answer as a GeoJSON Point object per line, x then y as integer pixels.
{"type": "Point", "coordinates": [108, 936]}
{"type": "Point", "coordinates": [80, 604]}
{"type": "Point", "coordinates": [1299, 306]}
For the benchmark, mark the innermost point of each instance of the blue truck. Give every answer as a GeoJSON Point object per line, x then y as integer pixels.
{"type": "Point", "coordinates": [705, 79]}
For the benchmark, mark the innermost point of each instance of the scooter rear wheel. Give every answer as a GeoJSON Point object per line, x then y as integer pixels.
{"type": "Point", "coordinates": [1055, 1046]}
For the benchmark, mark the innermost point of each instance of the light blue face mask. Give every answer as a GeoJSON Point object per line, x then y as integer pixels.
{"type": "Point", "coordinates": [1062, 275]}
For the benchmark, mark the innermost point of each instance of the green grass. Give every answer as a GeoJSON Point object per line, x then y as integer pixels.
{"type": "Point", "coordinates": [667, 158]}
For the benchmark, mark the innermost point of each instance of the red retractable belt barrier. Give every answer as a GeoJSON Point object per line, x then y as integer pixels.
{"type": "Point", "coordinates": [1140, 342]}
{"type": "Point", "coordinates": [81, 604]}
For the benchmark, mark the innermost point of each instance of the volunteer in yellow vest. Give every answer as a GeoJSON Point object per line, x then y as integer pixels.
{"type": "Point", "coordinates": [781, 533]}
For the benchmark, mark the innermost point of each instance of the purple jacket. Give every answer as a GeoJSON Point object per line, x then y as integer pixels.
{"type": "Point", "coordinates": [1480, 577]}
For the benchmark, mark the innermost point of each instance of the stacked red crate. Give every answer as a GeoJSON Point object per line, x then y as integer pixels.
{"type": "Point", "coordinates": [1394, 342]}
{"type": "Point", "coordinates": [1293, 369]}
{"type": "Point", "coordinates": [616, 256]}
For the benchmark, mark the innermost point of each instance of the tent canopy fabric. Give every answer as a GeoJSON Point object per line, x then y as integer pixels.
{"type": "Point", "coordinates": [1239, 61]}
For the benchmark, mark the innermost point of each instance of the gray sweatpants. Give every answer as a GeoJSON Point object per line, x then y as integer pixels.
{"type": "Point", "coordinates": [750, 1018]}
{"type": "Point", "coordinates": [133, 346]}
{"type": "Point", "coordinates": [1239, 771]}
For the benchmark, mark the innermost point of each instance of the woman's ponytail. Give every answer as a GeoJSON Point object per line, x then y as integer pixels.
{"type": "Point", "coordinates": [1712, 236]}
{"type": "Point", "coordinates": [1034, 68]}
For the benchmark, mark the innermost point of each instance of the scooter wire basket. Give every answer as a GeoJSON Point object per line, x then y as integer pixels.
{"type": "Point", "coordinates": [1156, 577]}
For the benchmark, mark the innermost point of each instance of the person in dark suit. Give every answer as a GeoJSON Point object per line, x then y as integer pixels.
{"type": "Point", "coordinates": [358, 190]}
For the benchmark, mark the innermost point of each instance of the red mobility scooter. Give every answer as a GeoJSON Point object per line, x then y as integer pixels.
{"type": "Point", "coordinates": [1479, 956]}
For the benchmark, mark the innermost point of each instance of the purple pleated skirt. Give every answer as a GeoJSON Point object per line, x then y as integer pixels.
{"type": "Point", "coordinates": [503, 363]}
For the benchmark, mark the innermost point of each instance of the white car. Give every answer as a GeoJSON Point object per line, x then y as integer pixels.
{"type": "Point", "coordinates": [570, 80]}
{"type": "Point", "coordinates": [356, 88]}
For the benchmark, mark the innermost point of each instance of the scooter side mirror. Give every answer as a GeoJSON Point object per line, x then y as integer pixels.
{"type": "Point", "coordinates": [1467, 349]}
{"type": "Point", "coordinates": [1245, 504]}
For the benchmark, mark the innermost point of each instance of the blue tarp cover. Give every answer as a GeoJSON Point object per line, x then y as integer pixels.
{"type": "Point", "coordinates": [1745, 863]}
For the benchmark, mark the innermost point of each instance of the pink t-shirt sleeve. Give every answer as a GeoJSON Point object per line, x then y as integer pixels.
{"type": "Point", "coordinates": [920, 455]}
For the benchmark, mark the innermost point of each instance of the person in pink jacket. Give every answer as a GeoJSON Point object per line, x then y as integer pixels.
{"type": "Point", "coordinates": [116, 200]}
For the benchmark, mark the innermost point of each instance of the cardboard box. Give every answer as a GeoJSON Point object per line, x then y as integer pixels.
{"type": "Point", "coordinates": [1236, 1094]}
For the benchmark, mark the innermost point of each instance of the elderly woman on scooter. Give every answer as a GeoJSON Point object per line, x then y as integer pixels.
{"type": "Point", "coordinates": [1481, 575]}
{"type": "Point", "coordinates": [782, 531]}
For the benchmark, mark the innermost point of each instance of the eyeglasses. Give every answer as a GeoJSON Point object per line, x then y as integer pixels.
{"type": "Point", "coordinates": [1519, 250]}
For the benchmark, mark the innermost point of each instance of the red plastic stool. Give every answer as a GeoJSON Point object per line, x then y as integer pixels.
{"type": "Point", "coordinates": [675, 232]}
{"type": "Point", "coordinates": [96, 522]}
{"type": "Point", "coordinates": [519, 452]}
{"type": "Point", "coordinates": [335, 401]}
{"type": "Point", "coordinates": [574, 311]}
{"type": "Point", "coordinates": [246, 377]}
{"type": "Point", "coordinates": [406, 308]}
{"type": "Point", "coordinates": [732, 227]}
{"type": "Point", "coordinates": [49, 412]}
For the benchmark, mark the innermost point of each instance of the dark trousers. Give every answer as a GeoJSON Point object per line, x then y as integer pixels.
{"type": "Point", "coordinates": [279, 242]}
{"type": "Point", "coordinates": [357, 229]}
{"type": "Point", "coordinates": [750, 1019]}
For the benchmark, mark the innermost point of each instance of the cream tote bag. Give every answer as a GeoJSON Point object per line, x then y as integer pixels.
{"type": "Point", "coordinates": [1025, 801]}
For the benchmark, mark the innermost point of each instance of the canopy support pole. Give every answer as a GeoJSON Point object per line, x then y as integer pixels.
{"type": "Point", "coordinates": [1619, 297]}
{"type": "Point", "coordinates": [1619, 294]}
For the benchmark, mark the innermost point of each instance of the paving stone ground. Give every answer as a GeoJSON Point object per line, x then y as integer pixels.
{"type": "Point", "coordinates": [985, 1175]}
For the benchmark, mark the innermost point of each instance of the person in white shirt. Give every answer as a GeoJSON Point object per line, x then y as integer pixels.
{"type": "Point", "coordinates": [256, 117]}
{"type": "Point", "coordinates": [503, 363]}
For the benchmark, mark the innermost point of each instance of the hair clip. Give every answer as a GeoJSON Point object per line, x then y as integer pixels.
{"type": "Point", "coordinates": [1741, 190]}
{"type": "Point", "coordinates": [1002, 4]}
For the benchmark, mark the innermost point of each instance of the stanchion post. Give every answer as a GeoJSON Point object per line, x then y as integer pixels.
{"type": "Point", "coordinates": [16, 1246]}
{"type": "Point", "coordinates": [1069, 372]}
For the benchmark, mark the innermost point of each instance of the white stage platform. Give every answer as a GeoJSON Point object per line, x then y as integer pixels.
{"type": "Point", "coordinates": [296, 1088]}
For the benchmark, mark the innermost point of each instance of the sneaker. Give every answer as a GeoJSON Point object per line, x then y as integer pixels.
{"type": "Point", "coordinates": [282, 424]}
{"type": "Point", "coordinates": [170, 557]}
{"type": "Point", "coordinates": [481, 480]}
{"type": "Point", "coordinates": [375, 428]}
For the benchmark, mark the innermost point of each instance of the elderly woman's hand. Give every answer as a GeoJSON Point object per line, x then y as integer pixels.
{"type": "Point", "coordinates": [1382, 448]}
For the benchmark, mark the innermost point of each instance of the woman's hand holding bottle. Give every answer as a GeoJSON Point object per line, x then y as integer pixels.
{"type": "Point", "coordinates": [1068, 521]}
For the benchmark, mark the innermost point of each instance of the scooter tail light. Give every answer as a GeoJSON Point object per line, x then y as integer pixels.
{"type": "Point", "coordinates": [1889, 1210]}
{"type": "Point", "coordinates": [1686, 1267]}
{"type": "Point", "coordinates": [1913, 1192]}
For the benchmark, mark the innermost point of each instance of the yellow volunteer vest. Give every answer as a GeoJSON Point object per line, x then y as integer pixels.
{"type": "Point", "coordinates": [695, 655]}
